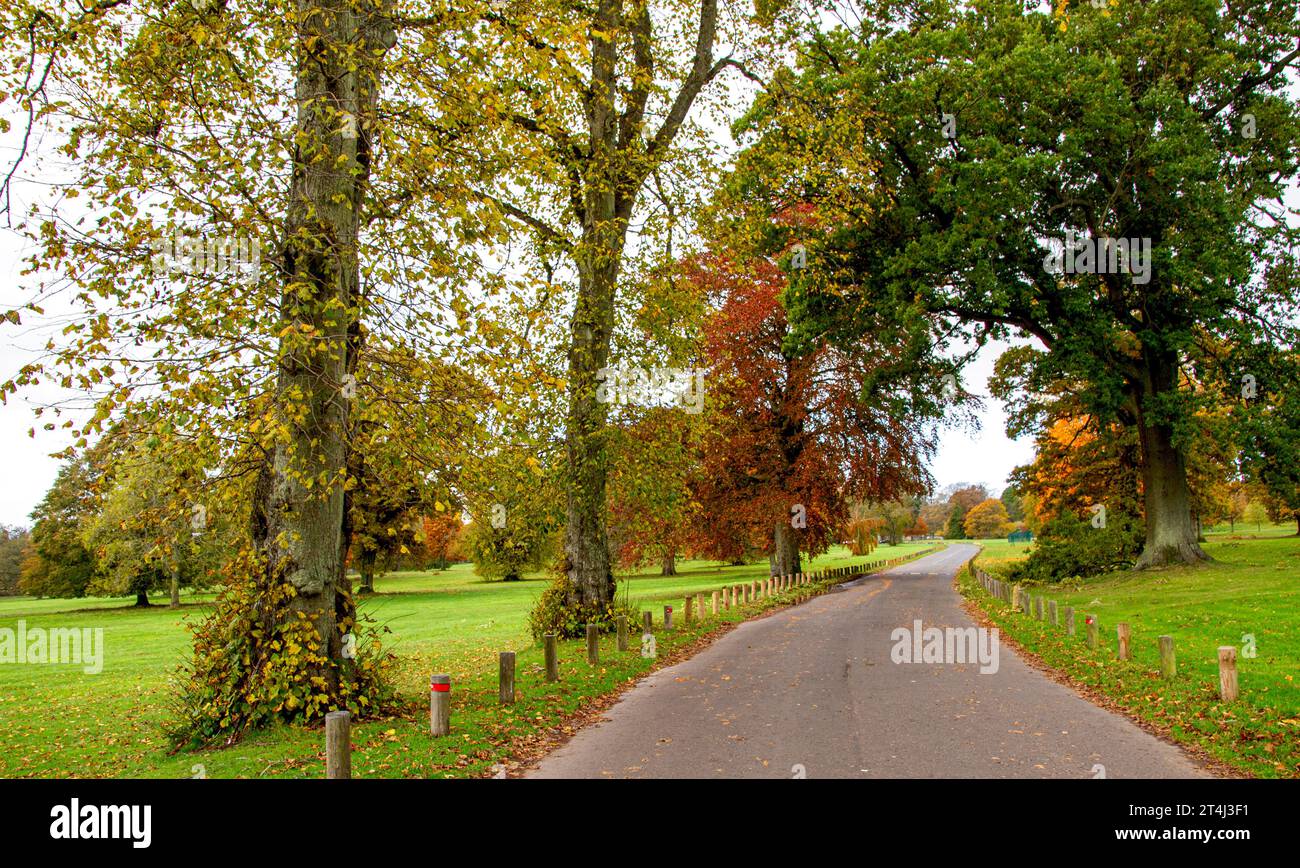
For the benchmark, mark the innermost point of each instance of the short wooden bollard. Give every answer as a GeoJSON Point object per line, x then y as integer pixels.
{"type": "Point", "coordinates": [699, 604]}
{"type": "Point", "coordinates": [1124, 634]}
{"type": "Point", "coordinates": [439, 705]}
{"type": "Point", "coordinates": [622, 632]}
{"type": "Point", "coordinates": [593, 644]}
{"type": "Point", "coordinates": [1090, 621]}
{"type": "Point", "coordinates": [338, 744]}
{"type": "Point", "coordinates": [726, 597]}
{"type": "Point", "coordinates": [715, 602]}
{"type": "Point", "coordinates": [1051, 613]}
{"type": "Point", "coordinates": [1168, 664]}
{"type": "Point", "coordinates": [506, 678]}
{"type": "Point", "coordinates": [1228, 673]}
{"type": "Point", "coordinates": [688, 611]}
{"type": "Point", "coordinates": [668, 617]}
{"type": "Point", "coordinates": [552, 657]}
{"type": "Point", "coordinates": [1038, 608]}
{"type": "Point", "coordinates": [647, 622]}
{"type": "Point", "coordinates": [1069, 620]}
{"type": "Point", "coordinates": [1028, 601]}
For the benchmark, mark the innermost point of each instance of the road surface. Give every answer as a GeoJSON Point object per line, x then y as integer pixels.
{"type": "Point", "coordinates": [813, 691]}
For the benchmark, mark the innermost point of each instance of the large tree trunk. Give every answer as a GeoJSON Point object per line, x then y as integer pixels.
{"type": "Point", "coordinates": [586, 541]}
{"type": "Point", "coordinates": [668, 565]}
{"type": "Point", "coordinates": [298, 522]}
{"type": "Point", "coordinates": [784, 559]}
{"type": "Point", "coordinates": [142, 598]}
{"type": "Point", "coordinates": [617, 163]}
{"type": "Point", "coordinates": [1170, 532]}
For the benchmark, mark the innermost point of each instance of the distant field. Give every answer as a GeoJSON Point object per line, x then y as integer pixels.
{"type": "Point", "coordinates": [57, 721]}
{"type": "Point", "coordinates": [1248, 598]}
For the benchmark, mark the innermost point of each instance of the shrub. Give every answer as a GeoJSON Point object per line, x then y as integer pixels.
{"type": "Point", "coordinates": [553, 614]}
{"type": "Point", "coordinates": [1071, 547]}
{"type": "Point", "coordinates": [253, 664]}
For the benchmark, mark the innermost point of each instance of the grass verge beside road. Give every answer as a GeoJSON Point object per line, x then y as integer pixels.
{"type": "Point", "coordinates": [1249, 597]}
{"type": "Point", "coordinates": [58, 721]}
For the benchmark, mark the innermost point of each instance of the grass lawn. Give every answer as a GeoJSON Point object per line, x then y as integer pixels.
{"type": "Point", "coordinates": [58, 721]}
{"type": "Point", "coordinates": [1251, 591]}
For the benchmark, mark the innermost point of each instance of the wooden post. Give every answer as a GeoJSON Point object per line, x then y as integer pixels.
{"type": "Point", "coordinates": [1228, 673]}
{"type": "Point", "coordinates": [687, 616]}
{"type": "Point", "coordinates": [1069, 620]}
{"type": "Point", "coordinates": [1038, 607]}
{"type": "Point", "coordinates": [1015, 596]}
{"type": "Point", "coordinates": [338, 745]}
{"type": "Point", "coordinates": [1122, 631]}
{"type": "Point", "coordinates": [726, 597]}
{"type": "Point", "coordinates": [668, 617]}
{"type": "Point", "coordinates": [647, 622]}
{"type": "Point", "coordinates": [1168, 664]}
{"type": "Point", "coordinates": [552, 658]}
{"type": "Point", "coordinates": [439, 705]}
{"type": "Point", "coordinates": [1051, 613]}
{"type": "Point", "coordinates": [622, 632]}
{"type": "Point", "coordinates": [593, 644]}
{"type": "Point", "coordinates": [1090, 621]}
{"type": "Point", "coordinates": [506, 678]}
{"type": "Point", "coordinates": [715, 602]}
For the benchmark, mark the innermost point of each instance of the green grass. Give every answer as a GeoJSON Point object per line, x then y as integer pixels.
{"type": "Point", "coordinates": [57, 721]}
{"type": "Point", "coordinates": [1251, 589]}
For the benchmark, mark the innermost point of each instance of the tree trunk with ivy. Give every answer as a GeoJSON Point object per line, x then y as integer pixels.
{"type": "Point", "coordinates": [298, 519]}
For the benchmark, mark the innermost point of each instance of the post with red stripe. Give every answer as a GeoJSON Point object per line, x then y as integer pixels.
{"type": "Point", "coordinates": [440, 705]}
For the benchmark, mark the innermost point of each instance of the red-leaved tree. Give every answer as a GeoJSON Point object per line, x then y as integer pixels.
{"type": "Point", "coordinates": [790, 437]}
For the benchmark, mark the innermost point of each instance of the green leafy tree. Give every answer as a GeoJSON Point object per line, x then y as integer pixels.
{"type": "Point", "coordinates": [59, 564]}
{"type": "Point", "coordinates": [14, 544]}
{"type": "Point", "coordinates": [151, 534]}
{"type": "Point", "coordinates": [956, 528]}
{"type": "Point", "coordinates": [944, 156]}
{"type": "Point", "coordinates": [1013, 504]}
{"type": "Point", "coordinates": [1255, 513]}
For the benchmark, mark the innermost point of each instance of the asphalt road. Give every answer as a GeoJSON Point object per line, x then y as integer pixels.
{"type": "Point", "coordinates": [813, 691]}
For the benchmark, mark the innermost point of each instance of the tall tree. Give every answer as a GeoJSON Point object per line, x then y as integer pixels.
{"type": "Point", "coordinates": [794, 436]}
{"type": "Point", "coordinates": [568, 152]}
{"type": "Point", "coordinates": [952, 151]}
{"type": "Point", "coordinates": [59, 564]}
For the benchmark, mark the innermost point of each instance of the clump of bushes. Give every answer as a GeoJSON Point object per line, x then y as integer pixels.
{"type": "Point", "coordinates": [1070, 547]}
{"type": "Point", "coordinates": [254, 663]}
{"type": "Point", "coordinates": [553, 613]}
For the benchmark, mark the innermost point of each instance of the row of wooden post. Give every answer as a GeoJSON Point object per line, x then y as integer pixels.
{"type": "Point", "coordinates": [1020, 600]}
{"type": "Point", "coordinates": [338, 724]}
